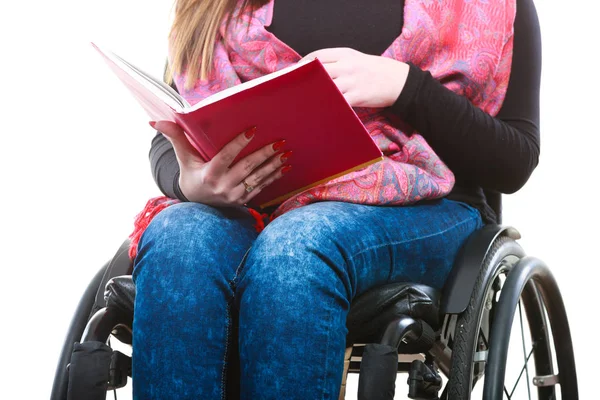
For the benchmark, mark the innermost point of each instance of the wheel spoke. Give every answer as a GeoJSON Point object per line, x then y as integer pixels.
{"type": "Point", "coordinates": [506, 393]}
{"type": "Point", "coordinates": [525, 357]}
{"type": "Point", "coordinates": [484, 339]}
{"type": "Point", "coordinates": [521, 373]}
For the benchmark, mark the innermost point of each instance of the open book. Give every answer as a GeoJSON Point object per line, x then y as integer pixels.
{"type": "Point", "coordinates": [300, 104]}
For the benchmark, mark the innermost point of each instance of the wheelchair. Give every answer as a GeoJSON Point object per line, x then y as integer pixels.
{"type": "Point", "coordinates": [462, 331]}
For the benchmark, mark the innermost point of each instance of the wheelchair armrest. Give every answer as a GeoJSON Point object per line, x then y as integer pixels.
{"type": "Point", "coordinates": [371, 312]}
{"type": "Point", "coordinates": [120, 293]}
{"type": "Point", "coordinates": [117, 317]}
{"type": "Point", "coordinates": [119, 265]}
{"type": "Point", "coordinates": [463, 276]}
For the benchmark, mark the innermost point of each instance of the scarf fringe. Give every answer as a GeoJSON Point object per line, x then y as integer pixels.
{"type": "Point", "coordinates": [143, 219]}
{"type": "Point", "coordinates": [260, 219]}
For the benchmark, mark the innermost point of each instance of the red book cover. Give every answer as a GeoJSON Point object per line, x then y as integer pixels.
{"type": "Point", "coordinates": [300, 104]}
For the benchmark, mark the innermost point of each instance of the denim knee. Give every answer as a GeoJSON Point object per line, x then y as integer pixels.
{"type": "Point", "coordinates": [290, 261]}
{"type": "Point", "coordinates": [189, 233]}
{"type": "Point", "coordinates": [293, 300]}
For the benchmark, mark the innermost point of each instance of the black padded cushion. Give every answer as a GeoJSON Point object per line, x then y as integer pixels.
{"type": "Point", "coordinates": [120, 293]}
{"type": "Point", "coordinates": [371, 312]}
{"type": "Point", "coordinates": [119, 265]}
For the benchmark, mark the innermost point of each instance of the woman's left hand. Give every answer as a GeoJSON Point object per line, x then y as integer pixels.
{"type": "Point", "coordinates": [365, 80]}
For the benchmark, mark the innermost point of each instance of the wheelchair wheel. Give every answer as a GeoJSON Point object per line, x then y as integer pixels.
{"type": "Point", "coordinates": [470, 331]}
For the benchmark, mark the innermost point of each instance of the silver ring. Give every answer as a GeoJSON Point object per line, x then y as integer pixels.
{"type": "Point", "coordinates": [248, 187]}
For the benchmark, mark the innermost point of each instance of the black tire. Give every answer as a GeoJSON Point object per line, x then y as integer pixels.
{"type": "Point", "coordinates": [76, 328]}
{"type": "Point", "coordinates": [469, 332]}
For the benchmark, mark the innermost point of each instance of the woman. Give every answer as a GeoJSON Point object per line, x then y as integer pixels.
{"type": "Point", "coordinates": [451, 99]}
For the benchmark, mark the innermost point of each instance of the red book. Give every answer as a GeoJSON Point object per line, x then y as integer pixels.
{"type": "Point", "coordinates": [300, 104]}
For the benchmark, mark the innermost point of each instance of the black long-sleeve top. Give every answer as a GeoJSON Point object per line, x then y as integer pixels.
{"type": "Point", "coordinates": [487, 154]}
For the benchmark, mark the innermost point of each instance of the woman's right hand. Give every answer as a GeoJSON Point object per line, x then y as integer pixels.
{"type": "Point", "coordinates": [217, 182]}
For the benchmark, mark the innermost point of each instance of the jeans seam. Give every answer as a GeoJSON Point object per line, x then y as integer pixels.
{"type": "Point", "coordinates": [226, 354]}
{"type": "Point", "coordinates": [238, 270]}
{"type": "Point", "coordinates": [327, 352]}
{"type": "Point", "coordinates": [416, 238]}
{"type": "Point", "coordinates": [232, 286]}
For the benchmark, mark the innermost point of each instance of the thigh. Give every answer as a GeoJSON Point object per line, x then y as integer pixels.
{"type": "Point", "coordinates": [184, 324]}
{"type": "Point", "coordinates": [296, 285]}
{"type": "Point", "coordinates": [200, 237]}
{"type": "Point", "coordinates": [381, 244]}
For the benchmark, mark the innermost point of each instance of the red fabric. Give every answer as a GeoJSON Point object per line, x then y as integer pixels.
{"type": "Point", "coordinates": [260, 219]}
{"type": "Point", "coordinates": [142, 220]}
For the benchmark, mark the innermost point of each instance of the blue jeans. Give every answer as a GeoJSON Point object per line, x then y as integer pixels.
{"type": "Point", "coordinates": [219, 305]}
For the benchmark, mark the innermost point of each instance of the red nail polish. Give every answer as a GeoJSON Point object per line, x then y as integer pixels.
{"type": "Point", "coordinates": [152, 123]}
{"type": "Point", "coordinates": [250, 133]}
{"type": "Point", "coordinates": [278, 145]}
{"type": "Point", "coordinates": [286, 169]}
{"type": "Point", "coordinates": [285, 156]}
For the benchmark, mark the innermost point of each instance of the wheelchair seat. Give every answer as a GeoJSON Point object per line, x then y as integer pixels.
{"type": "Point", "coordinates": [366, 316]}
{"type": "Point", "coordinates": [369, 314]}
{"type": "Point", "coordinates": [372, 312]}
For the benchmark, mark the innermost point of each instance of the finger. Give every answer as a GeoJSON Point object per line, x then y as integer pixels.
{"type": "Point", "coordinates": [251, 163]}
{"type": "Point", "coordinates": [266, 169]}
{"type": "Point", "coordinates": [343, 83]}
{"type": "Point", "coordinates": [168, 128]}
{"type": "Point", "coordinates": [221, 162]}
{"type": "Point", "coordinates": [335, 69]}
{"type": "Point", "coordinates": [258, 176]}
{"type": "Point", "coordinates": [280, 172]}
{"type": "Point", "coordinates": [353, 98]}
{"type": "Point", "coordinates": [329, 55]}
{"type": "Point", "coordinates": [175, 134]}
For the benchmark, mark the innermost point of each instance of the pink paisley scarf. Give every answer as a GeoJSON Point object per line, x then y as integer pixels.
{"type": "Point", "coordinates": [466, 45]}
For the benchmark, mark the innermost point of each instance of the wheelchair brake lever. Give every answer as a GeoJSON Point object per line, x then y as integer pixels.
{"type": "Point", "coordinates": [424, 383]}
{"type": "Point", "coordinates": [120, 369]}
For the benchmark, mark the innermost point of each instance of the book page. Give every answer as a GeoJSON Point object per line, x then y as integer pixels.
{"type": "Point", "coordinates": [158, 87]}
{"type": "Point", "coordinates": [168, 90]}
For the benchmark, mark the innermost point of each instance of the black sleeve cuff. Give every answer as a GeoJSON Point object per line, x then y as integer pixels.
{"type": "Point", "coordinates": [405, 102]}
{"type": "Point", "coordinates": [177, 189]}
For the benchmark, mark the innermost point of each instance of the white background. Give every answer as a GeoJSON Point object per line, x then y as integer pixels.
{"type": "Point", "coordinates": [74, 168]}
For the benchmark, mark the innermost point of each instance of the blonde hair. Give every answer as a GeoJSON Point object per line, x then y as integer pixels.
{"type": "Point", "coordinates": [194, 33]}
